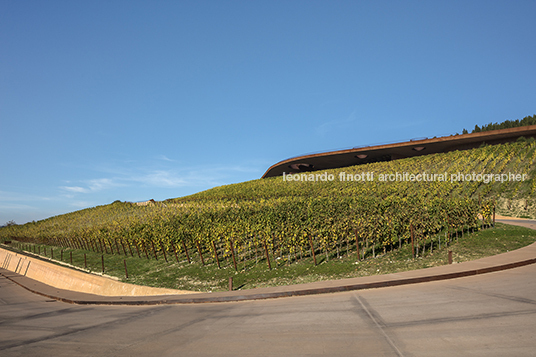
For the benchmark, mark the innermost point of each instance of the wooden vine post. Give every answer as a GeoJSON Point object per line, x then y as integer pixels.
{"type": "Point", "coordinates": [130, 249]}
{"type": "Point", "coordinates": [312, 249]}
{"type": "Point", "coordinates": [154, 250]}
{"type": "Point", "coordinates": [493, 214]}
{"type": "Point", "coordinates": [200, 255]}
{"type": "Point", "coordinates": [163, 251]}
{"type": "Point", "coordinates": [233, 253]}
{"type": "Point", "coordinates": [216, 254]}
{"type": "Point", "coordinates": [123, 246]}
{"type": "Point", "coordinates": [145, 249]}
{"type": "Point", "coordinates": [448, 231]}
{"type": "Point", "coordinates": [357, 244]}
{"type": "Point", "coordinates": [412, 240]}
{"type": "Point", "coordinates": [267, 255]}
{"type": "Point", "coordinates": [186, 251]}
{"type": "Point", "coordinates": [117, 246]}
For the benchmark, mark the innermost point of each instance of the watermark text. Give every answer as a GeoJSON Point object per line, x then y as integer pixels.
{"type": "Point", "coordinates": [370, 176]}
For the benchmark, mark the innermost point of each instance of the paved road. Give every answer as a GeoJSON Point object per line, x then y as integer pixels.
{"type": "Point", "coordinates": [528, 223]}
{"type": "Point", "coordinates": [487, 315]}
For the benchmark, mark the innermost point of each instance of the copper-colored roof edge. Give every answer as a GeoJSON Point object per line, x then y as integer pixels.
{"type": "Point", "coordinates": [491, 134]}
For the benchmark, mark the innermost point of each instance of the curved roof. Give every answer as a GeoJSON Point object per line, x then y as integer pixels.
{"type": "Point", "coordinates": [387, 152]}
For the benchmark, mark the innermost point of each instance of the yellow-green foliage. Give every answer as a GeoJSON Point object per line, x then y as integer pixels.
{"type": "Point", "coordinates": [284, 214]}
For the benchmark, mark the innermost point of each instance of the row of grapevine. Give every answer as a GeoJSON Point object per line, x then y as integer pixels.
{"type": "Point", "coordinates": [284, 225]}
{"type": "Point", "coordinates": [286, 218]}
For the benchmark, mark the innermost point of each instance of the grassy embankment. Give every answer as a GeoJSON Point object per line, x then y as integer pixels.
{"type": "Point", "coordinates": [198, 277]}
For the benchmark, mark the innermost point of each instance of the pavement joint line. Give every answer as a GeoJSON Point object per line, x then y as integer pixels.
{"type": "Point", "coordinates": [378, 325]}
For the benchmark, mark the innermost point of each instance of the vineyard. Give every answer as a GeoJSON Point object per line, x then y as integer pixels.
{"type": "Point", "coordinates": [260, 221]}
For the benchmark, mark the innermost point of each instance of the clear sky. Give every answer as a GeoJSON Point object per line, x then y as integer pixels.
{"type": "Point", "coordinates": [133, 100]}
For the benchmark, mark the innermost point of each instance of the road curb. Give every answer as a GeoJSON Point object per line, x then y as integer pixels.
{"type": "Point", "coordinates": [90, 299]}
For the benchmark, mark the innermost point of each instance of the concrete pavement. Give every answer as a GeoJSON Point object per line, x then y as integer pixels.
{"type": "Point", "coordinates": [481, 315]}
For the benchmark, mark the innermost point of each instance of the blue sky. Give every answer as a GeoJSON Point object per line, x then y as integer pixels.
{"type": "Point", "coordinates": [133, 100]}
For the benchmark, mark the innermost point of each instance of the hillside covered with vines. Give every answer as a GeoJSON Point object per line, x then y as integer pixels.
{"type": "Point", "coordinates": [375, 205]}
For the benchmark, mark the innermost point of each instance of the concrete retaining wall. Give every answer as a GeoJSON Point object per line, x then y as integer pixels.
{"type": "Point", "coordinates": [69, 279]}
